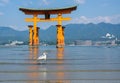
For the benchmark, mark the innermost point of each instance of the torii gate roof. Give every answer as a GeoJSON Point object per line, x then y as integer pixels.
{"type": "Point", "coordinates": [31, 11]}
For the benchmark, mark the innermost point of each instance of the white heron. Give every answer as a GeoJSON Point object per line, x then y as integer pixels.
{"type": "Point", "coordinates": [43, 56]}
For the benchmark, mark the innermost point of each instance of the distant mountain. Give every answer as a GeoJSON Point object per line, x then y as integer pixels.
{"type": "Point", "coordinates": [8, 34]}
{"type": "Point", "coordinates": [83, 31]}
{"type": "Point", "coordinates": [72, 32]}
{"type": "Point", "coordinates": [91, 31]}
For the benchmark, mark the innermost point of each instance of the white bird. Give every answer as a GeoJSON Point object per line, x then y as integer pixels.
{"type": "Point", "coordinates": [42, 57]}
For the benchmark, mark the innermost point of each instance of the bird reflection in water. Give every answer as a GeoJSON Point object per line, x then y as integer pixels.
{"type": "Point", "coordinates": [38, 71]}
{"type": "Point", "coordinates": [34, 75]}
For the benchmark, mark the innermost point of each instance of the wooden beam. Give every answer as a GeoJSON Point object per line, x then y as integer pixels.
{"type": "Point", "coordinates": [47, 20]}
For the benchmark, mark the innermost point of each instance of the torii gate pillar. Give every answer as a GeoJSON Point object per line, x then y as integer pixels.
{"type": "Point", "coordinates": [60, 32]}
{"type": "Point", "coordinates": [60, 36]}
{"type": "Point", "coordinates": [30, 35]}
{"type": "Point", "coordinates": [33, 35]}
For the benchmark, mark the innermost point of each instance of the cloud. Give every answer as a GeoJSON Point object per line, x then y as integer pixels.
{"type": "Point", "coordinates": [115, 19]}
{"type": "Point", "coordinates": [4, 2]}
{"type": "Point", "coordinates": [98, 19]}
{"type": "Point", "coordinates": [104, 4]}
{"type": "Point", "coordinates": [107, 19]}
{"type": "Point", "coordinates": [79, 1]}
{"type": "Point", "coordinates": [1, 13]}
{"type": "Point", "coordinates": [30, 2]}
{"type": "Point", "coordinates": [45, 2]}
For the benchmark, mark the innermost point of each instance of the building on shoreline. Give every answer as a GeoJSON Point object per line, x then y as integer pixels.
{"type": "Point", "coordinates": [83, 43]}
{"type": "Point", "coordinates": [97, 43]}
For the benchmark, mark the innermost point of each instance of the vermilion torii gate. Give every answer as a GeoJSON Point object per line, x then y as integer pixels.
{"type": "Point", "coordinates": [33, 30]}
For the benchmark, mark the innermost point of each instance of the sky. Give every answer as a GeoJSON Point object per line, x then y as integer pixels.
{"type": "Point", "coordinates": [88, 11]}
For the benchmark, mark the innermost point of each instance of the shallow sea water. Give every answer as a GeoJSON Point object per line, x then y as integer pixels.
{"type": "Point", "coordinates": [72, 64]}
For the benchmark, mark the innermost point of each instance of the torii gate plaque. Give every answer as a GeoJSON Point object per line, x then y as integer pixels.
{"type": "Point", "coordinates": [34, 38]}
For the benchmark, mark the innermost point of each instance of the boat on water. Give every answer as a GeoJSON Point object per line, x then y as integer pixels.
{"type": "Point", "coordinates": [14, 43]}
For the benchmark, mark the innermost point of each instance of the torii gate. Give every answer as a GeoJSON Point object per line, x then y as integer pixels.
{"type": "Point", "coordinates": [33, 33]}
